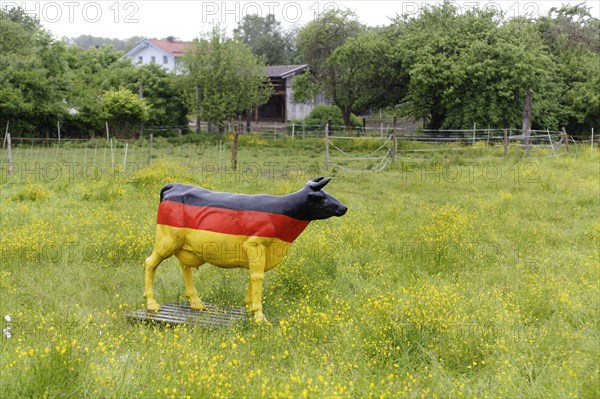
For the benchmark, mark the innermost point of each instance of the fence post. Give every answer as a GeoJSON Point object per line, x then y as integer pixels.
{"type": "Point", "coordinates": [9, 154]}
{"type": "Point", "coordinates": [550, 139]}
{"type": "Point", "coordinates": [474, 128]}
{"type": "Point", "coordinates": [125, 157]}
{"type": "Point", "coordinates": [505, 143]}
{"type": "Point", "coordinates": [293, 128]}
{"type": "Point", "coordinates": [327, 145]}
{"type": "Point", "coordinates": [303, 128]}
{"type": "Point", "coordinates": [58, 129]}
{"type": "Point", "coordinates": [234, 149]}
{"type": "Point", "coordinates": [6, 133]}
{"type": "Point", "coordinates": [592, 143]}
{"type": "Point", "coordinates": [526, 126]}
{"type": "Point", "coordinates": [394, 142]}
{"type": "Point", "coordinates": [112, 155]}
{"type": "Point", "coordinates": [565, 138]}
{"type": "Point", "coordinates": [150, 149]}
{"type": "Point", "coordinates": [198, 110]}
{"type": "Point", "coordinates": [107, 133]}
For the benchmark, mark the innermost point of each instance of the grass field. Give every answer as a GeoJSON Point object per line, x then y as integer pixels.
{"type": "Point", "coordinates": [467, 275]}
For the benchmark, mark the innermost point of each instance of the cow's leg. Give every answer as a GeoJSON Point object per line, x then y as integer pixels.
{"type": "Point", "coordinates": [190, 289]}
{"type": "Point", "coordinates": [168, 241]}
{"type": "Point", "coordinates": [188, 261]}
{"type": "Point", "coordinates": [256, 261]}
{"type": "Point", "coordinates": [248, 298]}
{"type": "Point", "coordinates": [151, 264]}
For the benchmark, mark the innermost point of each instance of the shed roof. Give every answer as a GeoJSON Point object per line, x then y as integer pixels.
{"type": "Point", "coordinates": [283, 71]}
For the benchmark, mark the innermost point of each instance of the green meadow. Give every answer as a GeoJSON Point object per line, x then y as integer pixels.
{"type": "Point", "coordinates": [453, 274]}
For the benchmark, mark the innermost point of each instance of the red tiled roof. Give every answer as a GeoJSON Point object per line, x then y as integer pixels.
{"type": "Point", "coordinates": [175, 48]}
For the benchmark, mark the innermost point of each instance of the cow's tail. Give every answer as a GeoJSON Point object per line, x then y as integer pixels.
{"type": "Point", "coordinates": [164, 190]}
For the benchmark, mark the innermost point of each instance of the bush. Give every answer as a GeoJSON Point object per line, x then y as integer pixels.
{"type": "Point", "coordinates": [323, 113]}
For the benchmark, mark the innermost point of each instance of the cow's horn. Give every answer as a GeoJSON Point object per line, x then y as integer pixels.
{"type": "Point", "coordinates": [317, 179]}
{"type": "Point", "coordinates": [316, 186]}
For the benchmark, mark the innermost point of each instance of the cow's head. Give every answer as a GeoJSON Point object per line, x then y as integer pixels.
{"type": "Point", "coordinates": [319, 204]}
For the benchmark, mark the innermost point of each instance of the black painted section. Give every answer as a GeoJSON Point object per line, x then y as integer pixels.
{"type": "Point", "coordinates": [310, 203]}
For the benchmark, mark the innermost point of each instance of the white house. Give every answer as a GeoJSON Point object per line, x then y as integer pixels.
{"type": "Point", "coordinates": [165, 52]}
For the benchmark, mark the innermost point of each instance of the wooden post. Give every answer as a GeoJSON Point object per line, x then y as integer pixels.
{"type": "Point", "coordinates": [234, 148]}
{"type": "Point", "coordinates": [592, 143]}
{"type": "Point", "coordinates": [58, 130]}
{"type": "Point", "coordinates": [112, 154]}
{"type": "Point", "coordinates": [364, 121]}
{"type": "Point", "coordinates": [248, 121]}
{"type": "Point", "coordinates": [293, 128]}
{"type": "Point", "coordinates": [303, 128]}
{"type": "Point", "coordinates": [150, 149]}
{"type": "Point", "coordinates": [550, 139]}
{"type": "Point", "coordinates": [6, 133]}
{"type": "Point", "coordinates": [107, 132]}
{"type": "Point", "coordinates": [125, 157]}
{"type": "Point", "coordinates": [327, 145]}
{"type": "Point", "coordinates": [565, 138]}
{"type": "Point", "coordinates": [505, 143]}
{"type": "Point", "coordinates": [394, 143]}
{"type": "Point", "coordinates": [198, 110]}
{"type": "Point", "coordinates": [474, 129]}
{"type": "Point", "coordinates": [526, 126]}
{"type": "Point", "coordinates": [9, 154]}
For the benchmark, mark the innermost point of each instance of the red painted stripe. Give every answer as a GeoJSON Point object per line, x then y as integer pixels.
{"type": "Point", "coordinates": [228, 221]}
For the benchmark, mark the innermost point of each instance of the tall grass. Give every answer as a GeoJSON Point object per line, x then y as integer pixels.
{"type": "Point", "coordinates": [448, 277]}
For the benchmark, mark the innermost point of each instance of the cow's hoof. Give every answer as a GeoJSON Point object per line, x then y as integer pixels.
{"type": "Point", "coordinates": [153, 306]}
{"type": "Point", "coordinates": [197, 304]}
{"type": "Point", "coordinates": [260, 318]}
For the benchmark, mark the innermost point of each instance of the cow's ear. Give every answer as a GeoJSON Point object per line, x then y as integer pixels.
{"type": "Point", "coordinates": [313, 181]}
{"type": "Point", "coordinates": [315, 196]}
{"type": "Point", "coordinates": [316, 186]}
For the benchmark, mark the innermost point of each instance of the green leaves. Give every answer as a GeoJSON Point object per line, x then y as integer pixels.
{"type": "Point", "coordinates": [230, 79]}
{"type": "Point", "coordinates": [125, 110]}
{"type": "Point", "coordinates": [469, 69]}
{"type": "Point", "coordinates": [265, 37]}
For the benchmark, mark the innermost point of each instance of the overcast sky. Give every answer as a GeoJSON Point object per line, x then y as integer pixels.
{"type": "Point", "coordinates": [187, 19]}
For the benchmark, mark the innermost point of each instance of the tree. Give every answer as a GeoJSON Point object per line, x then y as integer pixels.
{"type": "Point", "coordinates": [125, 110]}
{"type": "Point", "coordinates": [161, 91]}
{"type": "Point", "coordinates": [92, 72]}
{"type": "Point", "coordinates": [230, 79]}
{"type": "Point", "coordinates": [367, 75]}
{"type": "Point", "coordinates": [471, 68]}
{"type": "Point", "coordinates": [317, 42]}
{"type": "Point", "coordinates": [32, 74]}
{"type": "Point", "coordinates": [265, 37]}
{"type": "Point", "coordinates": [573, 38]}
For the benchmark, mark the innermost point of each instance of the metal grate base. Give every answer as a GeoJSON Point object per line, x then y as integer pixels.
{"type": "Point", "coordinates": [175, 313]}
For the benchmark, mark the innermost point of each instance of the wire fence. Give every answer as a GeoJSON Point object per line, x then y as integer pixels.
{"type": "Point", "coordinates": [352, 149]}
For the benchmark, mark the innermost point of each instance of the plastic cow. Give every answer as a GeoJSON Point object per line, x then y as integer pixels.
{"type": "Point", "coordinates": [232, 231]}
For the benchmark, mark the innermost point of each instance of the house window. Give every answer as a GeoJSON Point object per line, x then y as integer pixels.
{"type": "Point", "coordinates": [140, 60]}
{"type": "Point", "coordinates": [153, 59]}
{"type": "Point", "coordinates": [165, 59]}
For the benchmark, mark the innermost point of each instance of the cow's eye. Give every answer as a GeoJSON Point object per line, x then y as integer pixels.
{"type": "Point", "coordinates": [316, 196]}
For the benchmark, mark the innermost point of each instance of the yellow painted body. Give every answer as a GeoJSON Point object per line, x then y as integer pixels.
{"type": "Point", "coordinates": [194, 247]}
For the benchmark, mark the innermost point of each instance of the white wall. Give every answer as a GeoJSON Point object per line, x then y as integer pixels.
{"type": "Point", "coordinates": [148, 52]}
{"type": "Point", "coordinates": [296, 110]}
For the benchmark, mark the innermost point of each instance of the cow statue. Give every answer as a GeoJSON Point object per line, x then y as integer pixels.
{"type": "Point", "coordinates": [232, 231]}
